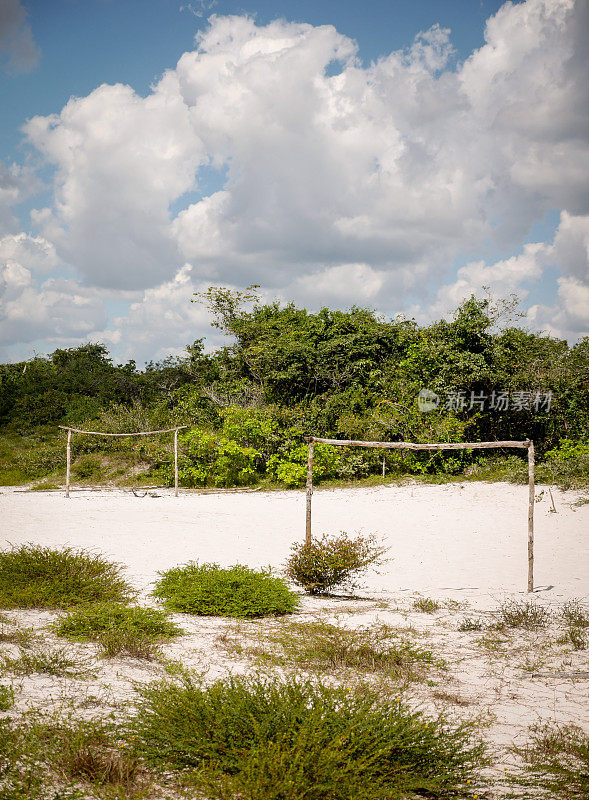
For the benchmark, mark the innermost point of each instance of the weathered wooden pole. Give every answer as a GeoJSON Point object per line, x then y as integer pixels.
{"type": "Point", "coordinates": [383, 466]}
{"type": "Point", "coordinates": [176, 462]}
{"type": "Point", "coordinates": [68, 461]}
{"type": "Point", "coordinates": [309, 492]}
{"type": "Point", "coordinates": [531, 517]}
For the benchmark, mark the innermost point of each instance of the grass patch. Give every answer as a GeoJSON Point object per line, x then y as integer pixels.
{"type": "Point", "coordinates": [271, 740]}
{"type": "Point", "coordinates": [575, 614]}
{"type": "Point", "coordinates": [46, 662]}
{"type": "Point", "coordinates": [6, 697]}
{"type": "Point", "coordinates": [32, 576]}
{"type": "Point", "coordinates": [426, 604]}
{"type": "Point", "coordinates": [332, 562]}
{"type": "Point", "coordinates": [119, 629]}
{"type": "Point", "coordinates": [325, 647]}
{"type": "Point", "coordinates": [64, 760]}
{"type": "Point", "coordinates": [238, 591]}
{"type": "Point", "coordinates": [525, 614]}
{"type": "Point", "coordinates": [470, 624]}
{"type": "Point", "coordinates": [14, 634]}
{"type": "Point", "coordinates": [556, 760]}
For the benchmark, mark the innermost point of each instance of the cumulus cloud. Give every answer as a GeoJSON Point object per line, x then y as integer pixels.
{"type": "Point", "coordinates": [360, 186]}
{"type": "Point", "coordinates": [18, 50]}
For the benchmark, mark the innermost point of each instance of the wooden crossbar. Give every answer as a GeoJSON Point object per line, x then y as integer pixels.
{"type": "Point", "coordinates": [68, 452]}
{"type": "Point", "coordinates": [527, 444]}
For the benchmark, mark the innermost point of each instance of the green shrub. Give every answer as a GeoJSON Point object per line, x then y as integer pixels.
{"type": "Point", "coordinates": [45, 662]}
{"type": "Point", "coordinates": [213, 460]}
{"type": "Point", "coordinates": [238, 591]}
{"type": "Point", "coordinates": [119, 629]}
{"type": "Point", "coordinates": [300, 740]}
{"type": "Point", "coordinates": [332, 562]}
{"type": "Point", "coordinates": [290, 467]}
{"type": "Point", "coordinates": [33, 576]}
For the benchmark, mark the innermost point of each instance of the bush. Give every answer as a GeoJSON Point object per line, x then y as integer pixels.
{"type": "Point", "coordinates": [301, 740]}
{"type": "Point", "coordinates": [119, 629]}
{"type": "Point", "coordinates": [238, 591]}
{"type": "Point", "coordinates": [33, 576]}
{"type": "Point", "coordinates": [332, 561]}
{"type": "Point", "coordinates": [523, 614]}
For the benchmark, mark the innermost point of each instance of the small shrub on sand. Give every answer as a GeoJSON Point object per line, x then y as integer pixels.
{"type": "Point", "coordinates": [32, 576]}
{"type": "Point", "coordinates": [522, 614]}
{"type": "Point", "coordinates": [575, 614]}
{"type": "Point", "coordinates": [426, 604]}
{"type": "Point", "coordinates": [238, 591]}
{"type": "Point", "coordinates": [470, 624]}
{"type": "Point", "coordinates": [269, 740]}
{"type": "Point", "coordinates": [556, 760]}
{"type": "Point", "coordinates": [332, 562]}
{"type": "Point", "coordinates": [119, 629]}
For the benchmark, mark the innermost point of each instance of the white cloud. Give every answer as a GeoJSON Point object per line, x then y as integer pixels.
{"type": "Point", "coordinates": [18, 50]}
{"type": "Point", "coordinates": [357, 187]}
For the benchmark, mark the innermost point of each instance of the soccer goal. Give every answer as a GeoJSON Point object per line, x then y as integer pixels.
{"type": "Point", "coordinates": [527, 444]}
{"type": "Point", "coordinates": [68, 452]}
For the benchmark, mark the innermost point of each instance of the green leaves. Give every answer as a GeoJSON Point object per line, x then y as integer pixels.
{"type": "Point", "coordinates": [238, 591]}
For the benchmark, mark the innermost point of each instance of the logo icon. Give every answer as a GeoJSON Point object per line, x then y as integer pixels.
{"type": "Point", "coordinates": [427, 400]}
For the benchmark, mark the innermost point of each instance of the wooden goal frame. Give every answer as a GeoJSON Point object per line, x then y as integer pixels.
{"type": "Point", "coordinates": [528, 444]}
{"type": "Point", "coordinates": [68, 452]}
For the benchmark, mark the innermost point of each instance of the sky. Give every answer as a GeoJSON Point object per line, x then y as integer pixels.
{"type": "Point", "coordinates": [394, 155]}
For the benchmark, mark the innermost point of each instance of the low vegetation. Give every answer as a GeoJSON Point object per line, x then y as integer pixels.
{"type": "Point", "coordinates": [237, 591]}
{"type": "Point", "coordinates": [556, 762]}
{"type": "Point", "coordinates": [119, 629]}
{"type": "Point", "coordinates": [526, 614]}
{"type": "Point", "coordinates": [426, 605]}
{"type": "Point", "coordinates": [323, 647]}
{"type": "Point", "coordinates": [44, 661]}
{"type": "Point", "coordinates": [332, 562]}
{"type": "Point", "coordinates": [33, 576]}
{"type": "Point", "coordinates": [267, 739]}
{"type": "Point", "coordinates": [56, 759]}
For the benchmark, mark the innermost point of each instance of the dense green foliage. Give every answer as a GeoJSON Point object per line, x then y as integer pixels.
{"type": "Point", "coordinates": [238, 591]}
{"type": "Point", "coordinates": [288, 373]}
{"type": "Point", "coordinates": [269, 740]}
{"type": "Point", "coordinates": [331, 562]}
{"type": "Point", "coordinates": [33, 576]}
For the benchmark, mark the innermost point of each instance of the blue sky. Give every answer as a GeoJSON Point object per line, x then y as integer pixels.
{"type": "Point", "coordinates": [401, 158]}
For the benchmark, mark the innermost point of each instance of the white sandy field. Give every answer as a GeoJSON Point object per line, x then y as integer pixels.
{"type": "Point", "coordinates": [464, 545]}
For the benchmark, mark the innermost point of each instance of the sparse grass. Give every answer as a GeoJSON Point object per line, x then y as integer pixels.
{"type": "Point", "coordinates": [6, 697]}
{"type": "Point", "coordinates": [271, 740]}
{"type": "Point", "coordinates": [325, 647]}
{"type": "Point", "coordinates": [426, 604]}
{"type": "Point", "coordinates": [119, 629]}
{"type": "Point", "coordinates": [575, 614]}
{"type": "Point", "coordinates": [65, 760]}
{"type": "Point", "coordinates": [526, 614]}
{"type": "Point", "coordinates": [452, 698]}
{"type": "Point", "coordinates": [470, 624]}
{"type": "Point", "coordinates": [47, 662]}
{"type": "Point", "coordinates": [576, 637]}
{"type": "Point", "coordinates": [14, 634]}
{"type": "Point", "coordinates": [332, 562]}
{"type": "Point", "coordinates": [556, 761]}
{"type": "Point", "coordinates": [238, 591]}
{"type": "Point", "coordinates": [32, 576]}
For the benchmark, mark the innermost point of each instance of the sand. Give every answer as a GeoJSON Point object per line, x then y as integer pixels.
{"type": "Point", "coordinates": [462, 540]}
{"type": "Point", "coordinates": [464, 545]}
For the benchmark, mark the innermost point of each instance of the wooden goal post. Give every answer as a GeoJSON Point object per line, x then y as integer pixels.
{"type": "Point", "coordinates": [527, 444]}
{"type": "Point", "coordinates": [68, 454]}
